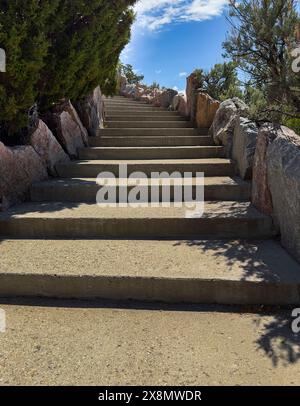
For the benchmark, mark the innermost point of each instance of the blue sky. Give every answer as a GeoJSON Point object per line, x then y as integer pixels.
{"type": "Point", "coordinates": [171, 38]}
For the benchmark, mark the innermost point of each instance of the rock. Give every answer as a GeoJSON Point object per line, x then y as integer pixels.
{"type": "Point", "coordinates": [244, 145]}
{"type": "Point", "coordinates": [140, 92]}
{"type": "Point", "coordinates": [67, 106]}
{"type": "Point", "coordinates": [47, 147]}
{"type": "Point", "coordinates": [122, 83]}
{"type": "Point", "coordinates": [261, 195]}
{"type": "Point", "coordinates": [129, 91]}
{"type": "Point", "coordinates": [193, 84]}
{"type": "Point", "coordinates": [156, 97]}
{"type": "Point", "coordinates": [283, 168]}
{"type": "Point", "coordinates": [224, 122]}
{"type": "Point", "coordinates": [65, 126]}
{"type": "Point", "coordinates": [166, 98]}
{"type": "Point", "coordinates": [20, 167]}
{"type": "Point", "coordinates": [206, 110]}
{"type": "Point", "coordinates": [91, 112]}
{"type": "Point", "coordinates": [180, 104]}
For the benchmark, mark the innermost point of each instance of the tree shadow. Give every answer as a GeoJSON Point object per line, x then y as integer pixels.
{"type": "Point", "coordinates": [263, 260]}
{"type": "Point", "coordinates": [278, 341]}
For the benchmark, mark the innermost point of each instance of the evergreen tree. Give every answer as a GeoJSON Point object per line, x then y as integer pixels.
{"type": "Point", "coordinates": [221, 82]}
{"type": "Point", "coordinates": [132, 77]}
{"type": "Point", "coordinates": [87, 40]}
{"type": "Point", "coordinates": [261, 43]}
{"type": "Point", "coordinates": [24, 28]}
{"type": "Point", "coordinates": [58, 49]}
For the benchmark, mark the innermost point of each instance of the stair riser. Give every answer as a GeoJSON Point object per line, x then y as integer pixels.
{"type": "Point", "coordinates": [164, 290]}
{"type": "Point", "coordinates": [148, 124]}
{"type": "Point", "coordinates": [93, 170]}
{"type": "Point", "coordinates": [146, 118]}
{"type": "Point", "coordinates": [150, 132]}
{"type": "Point", "coordinates": [80, 194]}
{"type": "Point", "coordinates": [151, 142]}
{"type": "Point", "coordinates": [155, 153]}
{"type": "Point", "coordinates": [136, 228]}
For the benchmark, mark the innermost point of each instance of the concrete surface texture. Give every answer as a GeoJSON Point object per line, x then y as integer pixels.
{"type": "Point", "coordinates": [75, 343]}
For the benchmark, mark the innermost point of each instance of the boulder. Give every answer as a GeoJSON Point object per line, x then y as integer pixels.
{"type": "Point", "coordinates": [261, 195]}
{"type": "Point", "coordinates": [193, 84]}
{"type": "Point", "coordinates": [156, 97]}
{"type": "Point", "coordinates": [129, 91]}
{"type": "Point", "coordinates": [65, 126]}
{"type": "Point", "coordinates": [206, 109]}
{"type": "Point", "coordinates": [67, 106]}
{"type": "Point", "coordinates": [180, 104]}
{"type": "Point", "coordinates": [224, 122]}
{"type": "Point", "coordinates": [47, 147]}
{"type": "Point", "coordinates": [20, 167]}
{"type": "Point", "coordinates": [166, 98]}
{"type": "Point", "coordinates": [91, 112]}
{"type": "Point", "coordinates": [244, 145]}
{"type": "Point", "coordinates": [283, 169]}
{"type": "Point", "coordinates": [122, 83]}
{"type": "Point", "coordinates": [140, 92]}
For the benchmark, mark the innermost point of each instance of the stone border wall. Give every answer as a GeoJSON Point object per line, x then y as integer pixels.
{"type": "Point", "coordinates": [52, 139]}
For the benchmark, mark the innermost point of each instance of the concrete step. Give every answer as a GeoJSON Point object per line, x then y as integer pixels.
{"type": "Point", "coordinates": [202, 271]}
{"type": "Point", "coordinates": [148, 124]}
{"type": "Point", "coordinates": [139, 141]}
{"type": "Point", "coordinates": [142, 115]}
{"type": "Point", "coordinates": [194, 152]}
{"type": "Point", "coordinates": [152, 132]}
{"type": "Point", "coordinates": [75, 220]}
{"type": "Point", "coordinates": [127, 104]}
{"type": "Point", "coordinates": [150, 117]}
{"type": "Point", "coordinates": [85, 190]}
{"type": "Point", "coordinates": [123, 110]}
{"type": "Point", "coordinates": [91, 169]}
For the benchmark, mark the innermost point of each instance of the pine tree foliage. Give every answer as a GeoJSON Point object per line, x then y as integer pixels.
{"type": "Point", "coordinates": [261, 42]}
{"type": "Point", "coordinates": [24, 37]}
{"type": "Point", "coordinates": [58, 49]}
{"type": "Point", "coordinates": [221, 82]}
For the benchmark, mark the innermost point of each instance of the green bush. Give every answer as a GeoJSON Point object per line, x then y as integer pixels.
{"type": "Point", "coordinates": [58, 49]}
{"type": "Point", "coordinates": [294, 124]}
{"type": "Point", "coordinates": [221, 82]}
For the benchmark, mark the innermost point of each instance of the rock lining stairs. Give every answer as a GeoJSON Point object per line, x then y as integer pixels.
{"type": "Point", "coordinates": [61, 244]}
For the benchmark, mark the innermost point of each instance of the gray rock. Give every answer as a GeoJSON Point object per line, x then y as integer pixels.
{"type": "Point", "coordinates": [91, 112]}
{"type": "Point", "coordinates": [283, 168]}
{"type": "Point", "coordinates": [166, 98]}
{"type": "Point", "coordinates": [244, 144]}
{"type": "Point", "coordinates": [66, 128]}
{"type": "Point", "coordinates": [20, 167]}
{"type": "Point", "coordinates": [224, 122]}
{"type": "Point", "coordinates": [47, 147]}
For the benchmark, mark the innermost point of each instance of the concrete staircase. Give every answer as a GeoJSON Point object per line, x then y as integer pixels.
{"type": "Point", "coordinates": [145, 253]}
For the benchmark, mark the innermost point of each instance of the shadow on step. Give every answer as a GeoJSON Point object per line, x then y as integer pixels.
{"type": "Point", "coordinates": [263, 261]}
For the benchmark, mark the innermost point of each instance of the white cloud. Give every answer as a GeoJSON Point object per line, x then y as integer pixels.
{"type": "Point", "coordinates": [182, 74]}
{"type": "Point", "coordinates": [158, 71]}
{"type": "Point", "coordinates": [154, 14]}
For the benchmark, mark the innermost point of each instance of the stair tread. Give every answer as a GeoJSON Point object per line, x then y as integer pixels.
{"type": "Point", "coordinates": [68, 182]}
{"type": "Point", "coordinates": [149, 161]}
{"type": "Point", "coordinates": [203, 259]}
{"type": "Point", "coordinates": [142, 148]}
{"type": "Point", "coordinates": [57, 210]}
